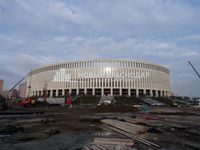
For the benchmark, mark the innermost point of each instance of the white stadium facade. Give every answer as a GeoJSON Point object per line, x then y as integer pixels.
{"type": "Point", "coordinates": [115, 77]}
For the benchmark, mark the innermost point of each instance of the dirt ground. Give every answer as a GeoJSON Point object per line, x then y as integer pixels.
{"type": "Point", "coordinates": [59, 128]}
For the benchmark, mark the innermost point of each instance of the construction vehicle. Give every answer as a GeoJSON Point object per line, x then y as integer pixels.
{"type": "Point", "coordinates": [26, 101]}
{"type": "Point", "coordinates": [10, 91]}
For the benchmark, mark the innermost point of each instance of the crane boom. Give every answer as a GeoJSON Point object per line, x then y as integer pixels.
{"type": "Point", "coordinates": [194, 69]}
{"type": "Point", "coordinates": [18, 82]}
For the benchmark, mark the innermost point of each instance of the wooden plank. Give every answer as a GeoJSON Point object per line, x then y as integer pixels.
{"type": "Point", "coordinates": [130, 136]}
{"type": "Point", "coordinates": [86, 148]}
{"type": "Point", "coordinates": [135, 137]}
{"type": "Point", "coordinates": [128, 127]}
{"type": "Point", "coordinates": [138, 127]}
{"type": "Point", "coordinates": [113, 141]}
{"type": "Point", "coordinates": [94, 147]}
{"type": "Point", "coordinates": [101, 147]}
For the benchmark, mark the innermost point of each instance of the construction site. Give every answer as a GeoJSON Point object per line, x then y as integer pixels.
{"type": "Point", "coordinates": [99, 122]}
{"type": "Point", "coordinates": [99, 75]}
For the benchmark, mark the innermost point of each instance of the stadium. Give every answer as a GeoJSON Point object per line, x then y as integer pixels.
{"type": "Point", "coordinates": [114, 77]}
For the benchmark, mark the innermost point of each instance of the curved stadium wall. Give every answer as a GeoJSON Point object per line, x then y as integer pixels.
{"type": "Point", "coordinates": [100, 77]}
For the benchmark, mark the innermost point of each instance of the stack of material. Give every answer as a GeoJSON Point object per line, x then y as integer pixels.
{"type": "Point", "coordinates": [129, 130]}
{"type": "Point", "coordinates": [110, 144]}
{"type": "Point", "coordinates": [125, 126]}
{"type": "Point", "coordinates": [153, 102]}
{"type": "Point", "coordinates": [106, 100]}
{"type": "Point", "coordinates": [113, 141]}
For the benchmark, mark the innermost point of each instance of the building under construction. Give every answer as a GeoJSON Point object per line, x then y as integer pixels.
{"type": "Point", "coordinates": [115, 77]}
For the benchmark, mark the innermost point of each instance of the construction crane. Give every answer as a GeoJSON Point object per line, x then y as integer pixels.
{"type": "Point", "coordinates": [18, 82]}
{"type": "Point", "coordinates": [9, 92]}
{"type": "Point", "coordinates": [193, 68]}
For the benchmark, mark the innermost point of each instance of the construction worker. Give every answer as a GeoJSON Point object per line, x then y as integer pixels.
{"type": "Point", "coordinates": [68, 102]}
{"type": "Point", "coordinates": [33, 102]}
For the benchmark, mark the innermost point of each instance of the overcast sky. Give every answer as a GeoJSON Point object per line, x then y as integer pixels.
{"type": "Point", "coordinates": [39, 32]}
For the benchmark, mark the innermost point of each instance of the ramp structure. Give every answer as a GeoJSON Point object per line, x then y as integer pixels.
{"type": "Point", "coordinates": [107, 100]}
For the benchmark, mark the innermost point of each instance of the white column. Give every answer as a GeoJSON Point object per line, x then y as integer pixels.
{"type": "Point", "coordinates": [70, 91]}
{"type": "Point", "coordinates": [106, 82]}
{"type": "Point", "coordinates": [63, 92]}
{"type": "Point", "coordinates": [161, 93]}
{"type": "Point", "coordinates": [102, 92]}
{"type": "Point", "coordinates": [85, 91]}
{"type": "Point", "coordinates": [129, 92]}
{"type": "Point", "coordinates": [77, 91]}
{"type": "Point", "coordinates": [93, 91]}
{"type": "Point", "coordinates": [156, 93]}
{"type": "Point", "coordinates": [120, 91]}
{"type": "Point", "coordinates": [151, 93]}
{"type": "Point", "coordinates": [137, 92]}
{"type": "Point", "coordinates": [102, 82]}
{"type": "Point", "coordinates": [144, 91]}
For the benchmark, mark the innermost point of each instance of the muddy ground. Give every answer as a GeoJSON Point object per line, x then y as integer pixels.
{"type": "Point", "coordinates": [56, 127]}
